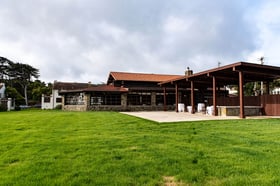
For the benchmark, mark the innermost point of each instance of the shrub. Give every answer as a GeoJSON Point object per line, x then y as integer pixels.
{"type": "Point", "coordinates": [17, 108]}
{"type": "Point", "coordinates": [58, 107]}
{"type": "Point", "coordinates": [3, 108]}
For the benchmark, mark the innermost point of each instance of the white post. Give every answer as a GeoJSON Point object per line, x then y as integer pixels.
{"type": "Point", "coordinates": [9, 104]}
{"type": "Point", "coordinates": [43, 101]}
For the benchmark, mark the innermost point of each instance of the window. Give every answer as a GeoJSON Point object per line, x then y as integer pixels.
{"type": "Point", "coordinates": [58, 100]}
{"type": "Point", "coordinates": [139, 98]}
{"type": "Point", "coordinates": [146, 99]}
{"type": "Point", "coordinates": [133, 99]}
{"type": "Point", "coordinates": [170, 99]}
{"type": "Point", "coordinates": [47, 99]}
{"type": "Point", "coordinates": [74, 99]}
{"type": "Point", "coordinates": [96, 100]}
{"type": "Point", "coordinates": [159, 99]}
{"type": "Point", "coordinates": [113, 99]}
{"type": "Point", "coordinates": [105, 99]}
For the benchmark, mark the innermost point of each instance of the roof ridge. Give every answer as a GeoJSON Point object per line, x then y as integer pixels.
{"type": "Point", "coordinates": [143, 73]}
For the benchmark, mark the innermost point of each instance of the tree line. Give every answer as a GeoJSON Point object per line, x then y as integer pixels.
{"type": "Point", "coordinates": [22, 83]}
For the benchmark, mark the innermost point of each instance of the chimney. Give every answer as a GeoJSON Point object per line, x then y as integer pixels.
{"type": "Point", "coordinates": [188, 72]}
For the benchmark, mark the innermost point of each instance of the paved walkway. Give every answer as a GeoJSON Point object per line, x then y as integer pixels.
{"type": "Point", "coordinates": [171, 116]}
{"type": "Point", "coordinates": [160, 116]}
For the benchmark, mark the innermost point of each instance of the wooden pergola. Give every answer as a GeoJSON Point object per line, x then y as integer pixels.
{"type": "Point", "coordinates": [238, 73]}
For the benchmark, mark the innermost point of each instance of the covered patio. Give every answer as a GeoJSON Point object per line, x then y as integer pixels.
{"type": "Point", "coordinates": [238, 74]}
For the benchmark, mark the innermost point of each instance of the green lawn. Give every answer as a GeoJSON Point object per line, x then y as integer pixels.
{"type": "Point", "coordinates": [108, 148]}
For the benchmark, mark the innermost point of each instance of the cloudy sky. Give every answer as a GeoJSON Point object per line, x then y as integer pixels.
{"type": "Point", "coordinates": [83, 40]}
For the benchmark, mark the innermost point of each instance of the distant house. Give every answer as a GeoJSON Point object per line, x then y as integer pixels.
{"type": "Point", "coordinates": [276, 90]}
{"type": "Point", "coordinates": [2, 90]}
{"type": "Point", "coordinates": [8, 102]}
{"type": "Point", "coordinates": [123, 92]}
{"type": "Point", "coordinates": [53, 100]}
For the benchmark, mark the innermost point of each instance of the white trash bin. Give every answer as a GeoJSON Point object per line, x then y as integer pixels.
{"type": "Point", "coordinates": [181, 107]}
{"type": "Point", "coordinates": [189, 109]}
{"type": "Point", "coordinates": [200, 107]}
{"type": "Point", "coordinates": [210, 110]}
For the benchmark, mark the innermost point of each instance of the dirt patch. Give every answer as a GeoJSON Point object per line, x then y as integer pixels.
{"type": "Point", "coordinates": [171, 181]}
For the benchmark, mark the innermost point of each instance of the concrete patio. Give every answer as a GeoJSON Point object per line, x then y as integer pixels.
{"type": "Point", "coordinates": [161, 116]}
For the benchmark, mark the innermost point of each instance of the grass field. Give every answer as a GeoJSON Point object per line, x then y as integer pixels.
{"type": "Point", "coordinates": [108, 148]}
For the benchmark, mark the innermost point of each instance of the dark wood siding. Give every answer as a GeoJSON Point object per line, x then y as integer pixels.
{"type": "Point", "coordinates": [271, 104]}
{"type": "Point", "coordinates": [234, 101]}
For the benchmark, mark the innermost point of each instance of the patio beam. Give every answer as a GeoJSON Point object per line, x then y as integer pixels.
{"type": "Point", "coordinates": [214, 96]}
{"type": "Point", "coordinates": [177, 96]}
{"type": "Point", "coordinates": [192, 97]}
{"type": "Point", "coordinates": [164, 99]}
{"type": "Point", "coordinates": [241, 94]}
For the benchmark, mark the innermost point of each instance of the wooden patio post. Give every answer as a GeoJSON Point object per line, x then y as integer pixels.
{"type": "Point", "coordinates": [192, 97]}
{"type": "Point", "coordinates": [177, 97]}
{"type": "Point", "coordinates": [241, 94]}
{"type": "Point", "coordinates": [214, 97]}
{"type": "Point", "coordinates": [164, 98]}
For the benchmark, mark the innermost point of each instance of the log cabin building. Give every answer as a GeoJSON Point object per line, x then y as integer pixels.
{"type": "Point", "coordinates": [123, 92]}
{"type": "Point", "coordinates": [151, 92]}
{"type": "Point", "coordinates": [133, 92]}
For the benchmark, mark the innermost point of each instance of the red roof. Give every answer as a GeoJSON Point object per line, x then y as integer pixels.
{"type": "Point", "coordinates": [105, 88]}
{"type": "Point", "coordinates": [99, 88]}
{"type": "Point", "coordinates": [126, 76]}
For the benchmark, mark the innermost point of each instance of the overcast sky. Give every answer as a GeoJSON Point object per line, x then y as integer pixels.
{"type": "Point", "coordinates": [83, 40]}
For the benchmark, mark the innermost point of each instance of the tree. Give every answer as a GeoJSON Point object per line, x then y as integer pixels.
{"type": "Point", "coordinates": [23, 74]}
{"type": "Point", "coordinates": [4, 68]}
{"type": "Point", "coordinates": [36, 89]}
{"type": "Point", "coordinates": [275, 83]}
{"type": "Point", "coordinates": [18, 78]}
{"type": "Point", "coordinates": [249, 89]}
{"type": "Point", "coordinates": [13, 93]}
